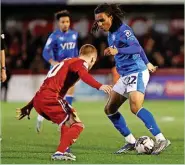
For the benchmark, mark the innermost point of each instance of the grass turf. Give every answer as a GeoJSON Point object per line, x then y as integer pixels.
{"type": "Point", "coordinates": [21, 144]}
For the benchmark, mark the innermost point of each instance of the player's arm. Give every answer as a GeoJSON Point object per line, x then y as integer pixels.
{"type": "Point", "coordinates": [128, 38]}
{"type": "Point", "coordinates": [149, 65]}
{"type": "Point", "coordinates": [143, 56]}
{"type": "Point", "coordinates": [133, 44]}
{"type": "Point", "coordinates": [48, 53]}
{"type": "Point", "coordinates": [24, 111]}
{"type": "Point", "coordinates": [2, 59]}
{"type": "Point", "coordinates": [82, 70]}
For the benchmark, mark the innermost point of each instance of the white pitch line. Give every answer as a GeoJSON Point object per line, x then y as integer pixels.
{"type": "Point", "coordinates": [167, 119]}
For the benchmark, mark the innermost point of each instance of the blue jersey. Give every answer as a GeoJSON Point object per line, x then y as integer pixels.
{"type": "Point", "coordinates": [61, 45]}
{"type": "Point", "coordinates": [129, 58]}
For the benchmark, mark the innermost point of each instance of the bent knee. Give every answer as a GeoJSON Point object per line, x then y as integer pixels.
{"type": "Point", "coordinates": [135, 108]}
{"type": "Point", "coordinates": [106, 110]}
{"type": "Point", "coordinates": [80, 124]}
{"type": "Point", "coordinates": [110, 109]}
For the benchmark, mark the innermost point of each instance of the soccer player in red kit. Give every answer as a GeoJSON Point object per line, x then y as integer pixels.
{"type": "Point", "coordinates": [49, 100]}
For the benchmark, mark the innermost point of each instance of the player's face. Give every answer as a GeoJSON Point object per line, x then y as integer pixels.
{"type": "Point", "coordinates": [64, 23]}
{"type": "Point", "coordinates": [92, 61]}
{"type": "Point", "coordinates": [104, 21]}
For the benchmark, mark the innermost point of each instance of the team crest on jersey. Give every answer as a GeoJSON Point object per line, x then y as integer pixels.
{"type": "Point", "coordinates": [61, 38]}
{"type": "Point", "coordinates": [74, 36]}
{"type": "Point", "coordinates": [128, 33]}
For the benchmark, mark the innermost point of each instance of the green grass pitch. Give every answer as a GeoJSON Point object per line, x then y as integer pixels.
{"type": "Point", "coordinates": [21, 144]}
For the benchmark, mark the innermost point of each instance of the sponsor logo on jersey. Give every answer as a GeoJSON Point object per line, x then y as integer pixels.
{"type": "Point", "coordinates": [68, 45]}
{"type": "Point", "coordinates": [61, 38]}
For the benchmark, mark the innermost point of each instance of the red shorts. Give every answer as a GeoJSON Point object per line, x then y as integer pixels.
{"type": "Point", "coordinates": [56, 110]}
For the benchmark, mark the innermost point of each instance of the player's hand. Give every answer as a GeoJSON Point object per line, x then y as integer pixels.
{"type": "Point", "coordinates": [95, 27]}
{"type": "Point", "coordinates": [151, 67]}
{"type": "Point", "coordinates": [110, 51]}
{"type": "Point", "coordinates": [3, 75]}
{"type": "Point", "coordinates": [53, 62]}
{"type": "Point", "coordinates": [22, 112]}
{"type": "Point", "coordinates": [106, 88]}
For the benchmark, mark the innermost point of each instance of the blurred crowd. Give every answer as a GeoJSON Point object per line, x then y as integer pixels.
{"type": "Point", "coordinates": [24, 45]}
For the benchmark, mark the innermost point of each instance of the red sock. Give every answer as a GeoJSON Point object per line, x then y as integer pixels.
{"type": "Point", "coordinates": [64, 129]}
{"type": "Point", "coordinates": [70, 137]}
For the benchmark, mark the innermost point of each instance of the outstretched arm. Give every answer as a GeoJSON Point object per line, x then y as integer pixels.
{"type": "Point", "coordinates": [81, 68]}
{"type": "Point", "coordinates": [88, 79]}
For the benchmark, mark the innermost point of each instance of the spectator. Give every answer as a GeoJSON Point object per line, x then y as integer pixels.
{"type": "Point", "coordinates": [178, 60]}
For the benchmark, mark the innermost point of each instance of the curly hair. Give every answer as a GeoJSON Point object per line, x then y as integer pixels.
{"type": "Point", "coordinates": [113, 10]}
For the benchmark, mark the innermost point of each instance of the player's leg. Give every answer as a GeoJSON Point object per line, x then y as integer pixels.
{"type": "Point", "coordinates": [70, 95]}
{"type": "Point", "coordinates": [115, 75]}
{"type": "Point", "coordinates": [69, 98]}
{"type": "Point", "coordinates": [116, 99]}
{"type": "Point", "coordinates": [39, 123]}
{"type": "Point", "coordinates": [69, 137]}
{"type": "Point", "coordinates": [57, 112]}
{"type": "Point", "coordinates": [136, 99]}
{"type": "Point", "coordinates": [40, 118]}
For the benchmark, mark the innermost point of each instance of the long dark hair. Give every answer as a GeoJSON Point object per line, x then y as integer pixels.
{"type": "Point", "coordinates": [113, 10]}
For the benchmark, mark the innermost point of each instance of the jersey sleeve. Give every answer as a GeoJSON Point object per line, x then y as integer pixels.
{"type": "Point", "coordinates": [2, 42]}
{"type": "Point", "coordinates": [81, 67]}
{"type": "Point", "coordinates": [143, 56]}
{"type": "Point", "coordinates": [131, 42]}
{"type": "Point", "coordinates": [48, 48]}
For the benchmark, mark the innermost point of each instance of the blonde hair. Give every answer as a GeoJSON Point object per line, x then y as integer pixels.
{"type": "Point", "coordinates": [87, 50]}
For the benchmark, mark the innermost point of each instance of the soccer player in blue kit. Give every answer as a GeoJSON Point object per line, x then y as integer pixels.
{"type": "Point", "coordinates": [61, 44]}
{"type": "Point", "coordinates": [133, 68]}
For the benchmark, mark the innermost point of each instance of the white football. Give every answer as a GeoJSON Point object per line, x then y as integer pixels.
{"type": "Point", "coordinates": [144, 145]}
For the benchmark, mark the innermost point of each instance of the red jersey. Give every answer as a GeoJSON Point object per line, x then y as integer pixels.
{"type": "Point", "coordinates": [64, 75]}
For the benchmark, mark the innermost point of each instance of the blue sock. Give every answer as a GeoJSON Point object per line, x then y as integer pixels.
{"type": "Point", "coordinates": [120, 124]}
{"type": "Point", "coordinates": [68, 150]}
{"type": "Point", "coordinates": [69, 99]}
{"type": "Point", "coordinates": [149, 121]}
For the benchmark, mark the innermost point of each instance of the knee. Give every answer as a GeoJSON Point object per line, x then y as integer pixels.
{"type": "Point", "coordinates": [110, 109]}
{"type": "Point", "coordinates": [134, 110]}
{"type": "Point", "coordinates": [135, 107]}
{"type": "Point", "coordinates": [136, 101]}
{"type": "Point", "coordinates": [80, 125]}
